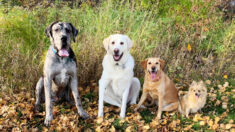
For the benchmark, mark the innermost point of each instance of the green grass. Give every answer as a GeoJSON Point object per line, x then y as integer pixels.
{"type": "Point", "coordinates": [156, 30]}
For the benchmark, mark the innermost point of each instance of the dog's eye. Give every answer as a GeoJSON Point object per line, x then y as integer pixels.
{"type": "Point", "coordinates": [199, 91]}
{"type": "Point", "coordinates": [57, 30]}
{"type": "Point", "coordinates": [121, 43]}
{"type": "Point", "coordinates": [67, 30]}
{"type": "Point", "coordinates": [156, 62]}
{"type": "Point", "coordinates": [194, 90]}
{"type": "Point", "coordinates": [113, 42]}
{"type": "Point", "coordinates": [149, 63]}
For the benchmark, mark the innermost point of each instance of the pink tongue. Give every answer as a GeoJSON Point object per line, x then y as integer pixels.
{"type": "Point", "coordinates": [63, 53]}
{"type": "Point", "coordinates": [152, 75]}
{"type": "Point", "coordinates": [116, 57]}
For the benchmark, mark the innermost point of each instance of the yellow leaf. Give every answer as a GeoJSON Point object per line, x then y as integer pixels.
{"type": "Point", "coordinates": [128, 129]}
{"type": "Point", "coordinates": [217, 120]}
{"type": "Point", "coordinates": [189, 47]}
{"type": "Point", "coordinates": [210, 123]}
{"type": "Point", "coordinates": [228, 126]}
{"type": "Point", "coordinates": [112, 129]}
{"type": "Point", "coordinates": [146, 127]}
{"type": "Point", "coordinates": [225, 76]}
{"type": "Point", "coordinates": [197, 117]}
{"type": "Point", "coordinates": [206, 29]}
{"type": "Point", "coordinates": [208, 82]}
{"type": "Point", "coordinates": [164, 122]}
{"type": "Point", "coordinates": [188, 128]}
{"type": "Point", "coordinates": [202, 123]}
{"type": "Point", "coordinates": [100, 120]}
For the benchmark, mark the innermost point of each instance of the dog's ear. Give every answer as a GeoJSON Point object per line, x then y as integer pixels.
{"type": "Point", "coordinates": [106, 43]}
{"type": "Point", "coordinates": [74, 31]}
{"type": "Point", "coordinates": [162, 63]}
{"type": "Point", "coordinates": [193, 83]}
{"type": "Point", "coordinates": [129, 42]}
{"type": "Point", "coordinates": [144, 63]}
{"type": "Point", "coordinates": [201, 82]}
{"type": "Point", "coordinates": [48, 30]}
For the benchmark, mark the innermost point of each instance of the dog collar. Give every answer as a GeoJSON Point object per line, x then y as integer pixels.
{"type": "Point", "coordinates": [157, 79]}
{"type": "Point", "coordinates": [54, 51]}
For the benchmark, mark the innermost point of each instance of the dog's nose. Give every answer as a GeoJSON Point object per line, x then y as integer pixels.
{"type": "Point", "coordinates": [64, 38]}
{"type": "Point", "coordinates": [196, 94]}
{"type": "Point", "coordinates": [116, 51]}
{"type": "Point", "coordinates": [153, 68]}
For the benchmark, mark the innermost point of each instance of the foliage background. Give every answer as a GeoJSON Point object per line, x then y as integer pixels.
{"type": "Point", "coordinates": [195, 38]}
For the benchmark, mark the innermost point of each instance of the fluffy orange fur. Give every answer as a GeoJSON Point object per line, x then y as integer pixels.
{"type": "Point", "coordinates": [194, 100]}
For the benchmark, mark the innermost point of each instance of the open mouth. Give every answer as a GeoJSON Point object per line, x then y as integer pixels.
{"type": "Point", "coordinates": [197, 95]}
{"type": "Point", "coordinates": [63, 53]}
{"type": "Point", "coordinates": [117, 57]}
{"type": "Point", "coordinates": [153, 74]}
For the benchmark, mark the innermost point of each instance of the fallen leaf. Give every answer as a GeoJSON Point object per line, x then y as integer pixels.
{"type": "Point", "coordinates": [208, 82]}
{"type": "Point", "coordinates": [225, 76]}
{"type": "Point", "coordinates": [228, 126]}
{"type": "Point", "coordinates": [100, 120]}
{"type": "Point", "coordinates": [189, 47]}
{"type": "Point", "coordinates": [202, 123]}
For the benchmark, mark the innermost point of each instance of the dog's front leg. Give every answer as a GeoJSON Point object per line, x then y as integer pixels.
{"type": "Point", "coordinates": [47, 89]}
{"type": "Point", "coordinates": [126, 87]}
{"type": "Point", "coordinates": [160, 105]}
{"type": "Point", "coordinates": [103, 83]}
{"type": "Point", "coordinates": [142, 99]}
{"type": "Point", "coordinates": [78, 103]}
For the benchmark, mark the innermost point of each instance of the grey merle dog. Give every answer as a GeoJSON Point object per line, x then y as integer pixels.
{"type": "Point", "coordinates": [60, 70]}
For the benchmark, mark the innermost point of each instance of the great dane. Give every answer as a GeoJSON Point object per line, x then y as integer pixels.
{"type": "Point", "coordinates": [59, 71]}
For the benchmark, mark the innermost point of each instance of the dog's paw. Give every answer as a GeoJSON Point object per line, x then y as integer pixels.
{"type": "Point", "coordinates": [84, 115]}
{"type": "Point", "coordinates": [47, 121]}
{"type": "Point", "coordinates": [37, 108]}
{"type": "Point", "coordinates": [135, 109]}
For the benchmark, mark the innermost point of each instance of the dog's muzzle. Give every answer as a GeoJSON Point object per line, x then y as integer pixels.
{"type": "Point", "coordinates": [116, 55]}
{"type": "Point", "coordinates": [63, 52]}
{"type": "Point", "coordinates": [153, 73]}
{"type": "Point", "coordinates": [197, 95]}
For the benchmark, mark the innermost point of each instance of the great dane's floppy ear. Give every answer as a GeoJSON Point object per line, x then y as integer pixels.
{"type": "Point", "coordinates": [106, 43]}
{"type": "Point", "coordinates": [162, 63]}
{"type": "Point", "coordinates": [129, 42]}
{"type": "Point", "coordinates": [48, 30]}
{"type": "Point", "coordinates": [74, 31]}
{"type": "Point", "coordinates": [144, 63]}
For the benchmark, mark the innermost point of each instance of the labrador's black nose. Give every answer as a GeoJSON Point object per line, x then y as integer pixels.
{"type": "Point", "coordinates": [116, 51]}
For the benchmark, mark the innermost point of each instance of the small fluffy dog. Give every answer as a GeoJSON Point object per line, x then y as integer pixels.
{"type": "Point", "coordinates": [159, 86]}
{"type": "Point", "coordinates": [194, 100]}
{"type": "Point", "coordinates": [117, 85]}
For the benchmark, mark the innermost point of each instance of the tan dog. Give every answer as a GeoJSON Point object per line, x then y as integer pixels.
{"type": "Point", "coordinates": [194, 100]}
{"type": "Point", "coordinates": [159, 86]}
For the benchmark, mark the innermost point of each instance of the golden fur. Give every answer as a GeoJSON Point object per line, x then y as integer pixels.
{"type": "Point", "coordinates": [194, 100]}
{"type": "Point", "coordinates": [159, 86]}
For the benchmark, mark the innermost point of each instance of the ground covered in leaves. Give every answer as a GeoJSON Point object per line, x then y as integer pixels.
{"type": "Point", "coordinates": [17, 114]}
